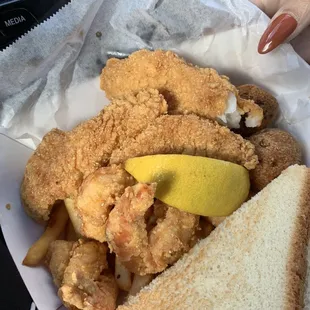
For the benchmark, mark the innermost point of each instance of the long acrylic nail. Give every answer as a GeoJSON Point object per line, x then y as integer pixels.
{"type": "Point", "coordinates": [276, 33]}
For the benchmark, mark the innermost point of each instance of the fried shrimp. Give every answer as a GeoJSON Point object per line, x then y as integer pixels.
{"type": "Point", "coordinates": [142, 251]}
{"type": "Point", "coordinates": [57, 259]}
{"type": "Point", "coordinates": [191, 135]}
{"type": "Point", "coordinates": [97, 196]}
{"type": "Point", "coordinates": [87, 284]}
{"type": "Point", "coordinates": [174, 234]}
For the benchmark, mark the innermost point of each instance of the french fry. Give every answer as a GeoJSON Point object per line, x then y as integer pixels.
{"type": "Point", "coordinates": [54, 228]}
{"type": "Point", "coordinates": [216, 220]}
{"type": "Point", "coordinates": [76, 222]}
{"type": "Point", "coordinates": [70, 234]}
{"type": "Point", "coordinates": [139, 282]}
{"type": "Point", "coordinates": [122, 276]}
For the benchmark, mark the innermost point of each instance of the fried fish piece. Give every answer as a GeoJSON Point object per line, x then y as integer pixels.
{"type": "Point", "coordinates": [188, 134]}
{"type": "Point", "coordinates": [188, 89]}
{"type": "Point", "coordinates": [266, 101]}
{"type": "Point", "coordinates": [64, 159]}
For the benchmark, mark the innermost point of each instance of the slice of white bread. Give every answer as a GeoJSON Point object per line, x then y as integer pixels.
{"type": "Point", "coordinates": [255, 259]}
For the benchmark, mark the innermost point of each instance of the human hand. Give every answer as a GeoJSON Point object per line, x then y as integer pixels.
{"type": "Point", "coordinates": [290, 22]}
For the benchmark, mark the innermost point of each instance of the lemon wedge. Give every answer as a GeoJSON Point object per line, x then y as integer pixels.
{"type": "Point", "coordinates": [198, 185]}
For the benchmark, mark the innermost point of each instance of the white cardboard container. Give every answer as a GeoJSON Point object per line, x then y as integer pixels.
{"type": "Point", "coordinates": [282, 72]}
{"type": "Point", "coordinates": [19, 230]}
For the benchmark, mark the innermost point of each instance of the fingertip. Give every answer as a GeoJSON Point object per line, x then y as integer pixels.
{"type": "Point", "coordinates": [264, 48]}
{"type": "Point", "coordinates": [277, 32]}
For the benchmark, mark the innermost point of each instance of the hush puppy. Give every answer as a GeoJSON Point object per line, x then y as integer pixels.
{"type": "Point", "coordinates": [276, 150]}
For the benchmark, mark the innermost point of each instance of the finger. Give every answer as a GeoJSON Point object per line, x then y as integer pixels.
{"type": "Point", "coordinates": [276, 33]}
{"type": "Point", "coordinates": [268, 7]}
{"type": "Point", "coordinates": [301, 44]}
{"type": "Point", "coordinates": [287, 23]}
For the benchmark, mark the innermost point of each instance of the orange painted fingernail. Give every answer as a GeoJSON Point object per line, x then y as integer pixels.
{"type": "Point", "coordinates": [276, 33]}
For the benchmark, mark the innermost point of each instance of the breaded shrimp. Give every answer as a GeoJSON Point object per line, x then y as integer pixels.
{"type": "Point", "coordinates": [188, 134]}
{"type": "Point", "coordinates": [97, 196]}
{"type": "Point", "coordinates": [63, 160]}
{"type": "Point", "coordinates": [86, 285]}
{"type": "Point", "coordinates": [174, 234]}
{"type": "Point", "coordinates": [141, 251]}
{"type": "Point", "coordinates": [188, 89]}
{"type": "Point", "coordinates": [57, 259]}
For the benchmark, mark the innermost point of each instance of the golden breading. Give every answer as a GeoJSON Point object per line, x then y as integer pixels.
{"type": "Point", "coordinates": [62, 160]}
{"type": "Point", "coordinates": [139, 250]}
{"type": "Point", "coordinates": [188, 134]}
{"type": "Point", "coordinates": [96, 198]}
{"type": "Point", "coordinates": [85, 284]}
{"type": "Point", "coordinates": [188, 89]}
{"type": "Point", "coordinates": [57, 259]}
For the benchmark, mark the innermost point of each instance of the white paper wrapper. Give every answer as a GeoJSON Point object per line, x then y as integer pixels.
{"type": "Point", "coordinates": [49, 78]}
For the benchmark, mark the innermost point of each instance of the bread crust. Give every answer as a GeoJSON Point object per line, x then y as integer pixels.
{"type": "Point", "coordinates": [297, 262]}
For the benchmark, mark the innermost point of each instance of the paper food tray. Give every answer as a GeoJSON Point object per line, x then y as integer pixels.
{"type": "Point", "coordinates": [15, 224]}
{"type": "Point", "coordinates": [30, 110]}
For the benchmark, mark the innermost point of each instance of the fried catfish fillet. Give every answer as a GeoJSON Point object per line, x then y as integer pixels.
{"type": "Point", "coordinates": [188, 89]}
{"type": "Point", "coordinates": [64, 159]}
{"type": "Point", "coordinates": [189, 134]}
